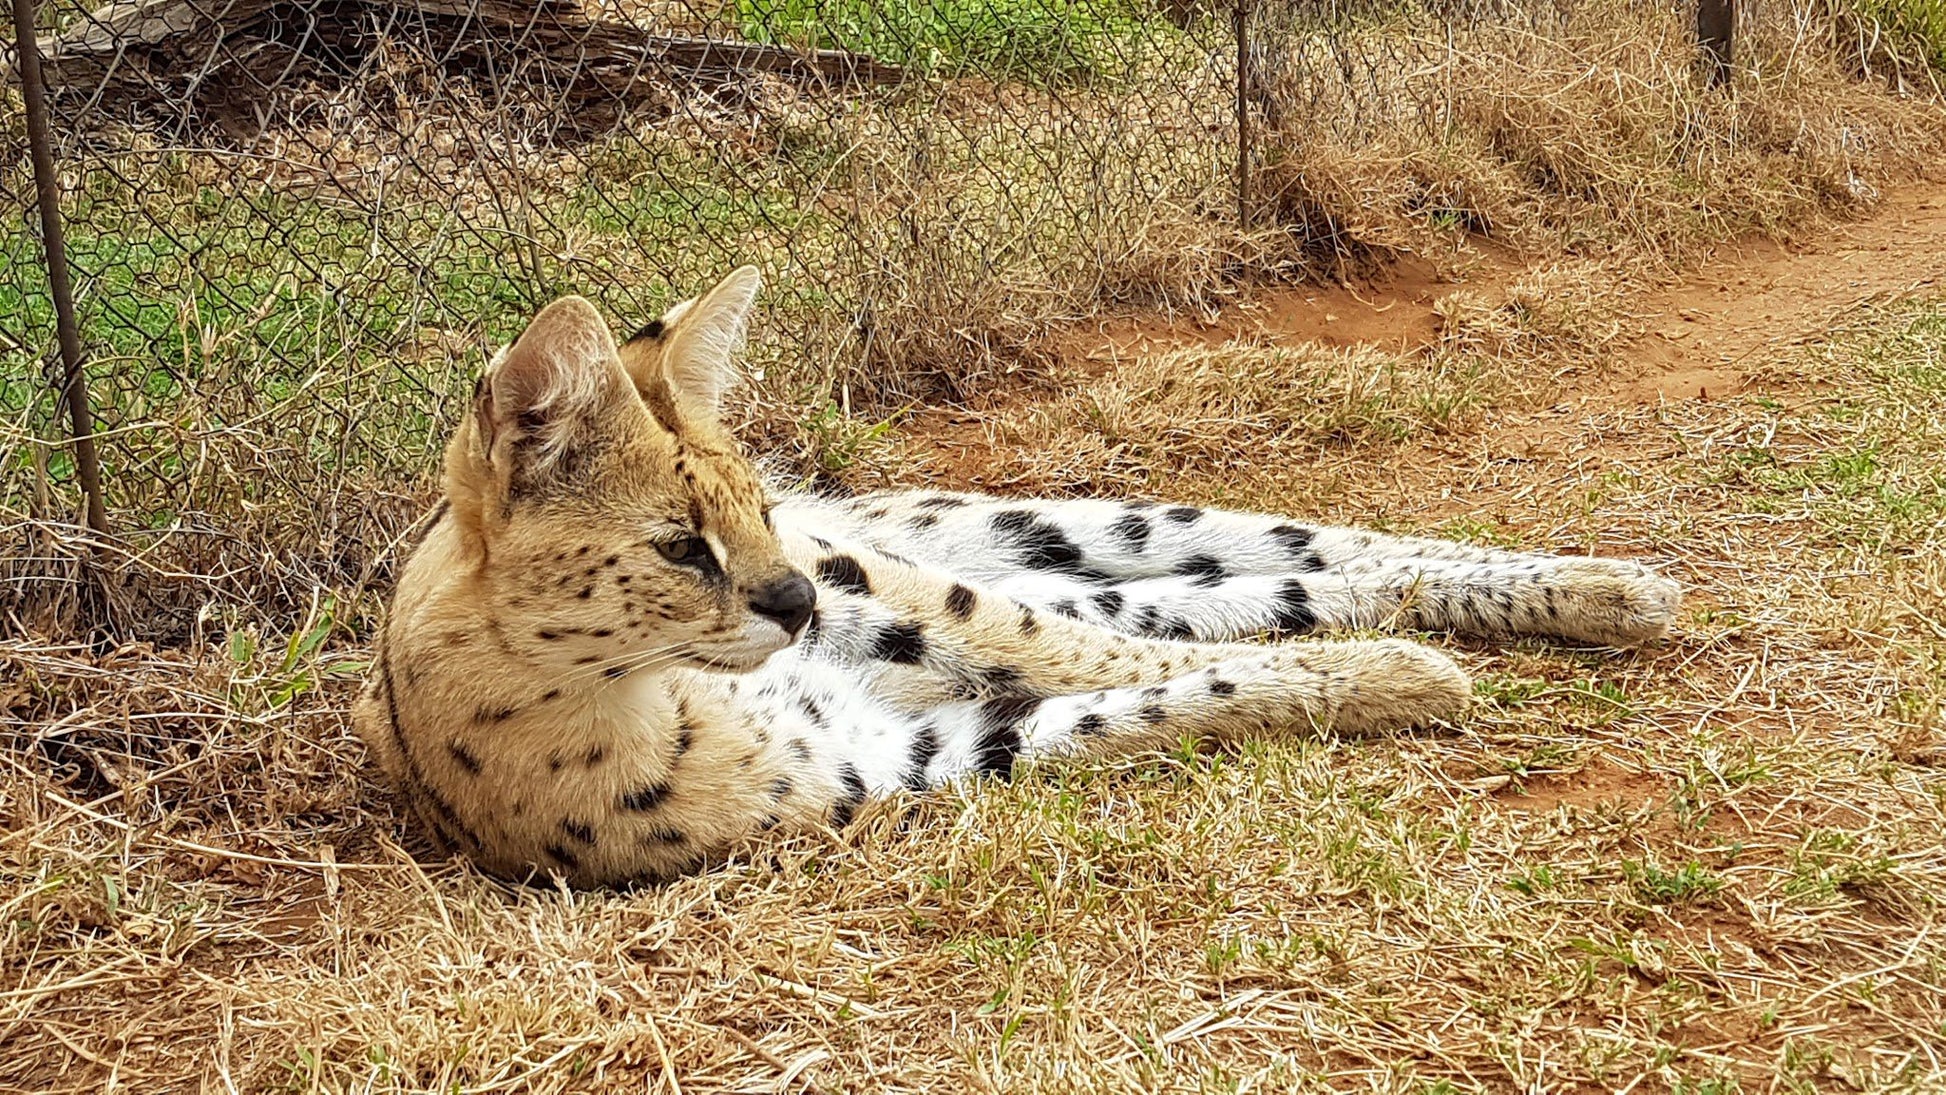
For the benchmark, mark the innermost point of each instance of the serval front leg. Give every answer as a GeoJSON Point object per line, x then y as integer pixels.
{"type": "Point", "coordinates": [874, 608]}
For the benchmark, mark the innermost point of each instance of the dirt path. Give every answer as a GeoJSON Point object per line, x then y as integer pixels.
{"type": "Point", "coordinates": [1736, 309]}
{"type": "Point", "coordinates": [1749, 304]}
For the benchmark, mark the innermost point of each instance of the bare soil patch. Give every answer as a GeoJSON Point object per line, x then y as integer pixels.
{"type": "Point", "coordinates": [1738, 305]}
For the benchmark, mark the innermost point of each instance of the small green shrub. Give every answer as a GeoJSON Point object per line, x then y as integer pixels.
{"type": "Point", "coordinates": [1908, 31]}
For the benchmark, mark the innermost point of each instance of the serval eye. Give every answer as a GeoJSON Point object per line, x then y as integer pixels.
{"type": "Point", "coordinates": [689, 550]}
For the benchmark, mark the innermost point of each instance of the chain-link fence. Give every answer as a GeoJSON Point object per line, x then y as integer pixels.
{"type": "Point", "coordinates": [296, 228]}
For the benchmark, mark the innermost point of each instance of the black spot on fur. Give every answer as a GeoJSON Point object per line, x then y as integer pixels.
{"type": "Point", "coordinates": [1222, 688]}
{"type": "Point", "coordinates": [1001, 678]}
{"type": "Point", "coordinates": [578, 831]}
{"type": "Point", "coordinates": [1182, 515]}
{"type": "Point", "coordinates": [801, 750]}
{"type": "Point", "coordinates": [902, 643]}
{"type": "Point", "coordinates": [653, 329]}
{"type": "Point", "coordinates": [596, 754]}
{"type": "Point", "coordinates": [940, 501]}
{"type": "Point", "coordinates": [1029, 625]}
{"type": "Point", "coordinates": [549, 636]}
{"type": "Point", "coordinates": [1153, 714]}
{"type": "Point", "coordinates": [444, 836]}
{"type": "Point", "coordinates": [615, 672]}
{"type": "Point", "coordinates": [769, 823]}
{"type": "Point", "coordinates": [842, 572]}
{"type": "Point", "coordinates": [464, 757]}
{"type": "Point", "coordinates": [1090, 725]}
{"type": "Point", "coordinates": [1148, 620]}
{"type": "Point", "coordinates": [1292, 538]}
{"type": "Point", "coordinates": [779, 788]}
{"type": "Point", "coordinates": [488, 716]}
{"type": "Point", "coordinates": [923, 522]}
{"type": "Point", "coordinates": [1208, 570]}
{"type": "Point", "coordinates": [1066, 608]}
{"type": "Point", "coordinates": [1040, 545]}
{"type": "Point", "coordinates": [665, 836]}
{"type": "Point", "coordinates": [1292, 613]}
{"type": "Point", "coordinates": [1134, 530]}
{"type": "Point", "coordinates": [645, 798]}
{"type": "Point", "coordinates": [1109, 602]}
{"type": "Point", "coordinates": [847, 807]}
{"type": "Point", "coordinates": [685, 737]}
{"type": "Point", "coordinates": [564, 857]}
{"type": "Point", "coordinates": [1000, 736]}
{"type": "Point", "coordinates": [960, 601]}
{"type": "Point", "coordinates": [439, 513]}
{"type": "Point", "coordinates": [811, 710]}
{"type": "Point", "coordinates": [925, 746]}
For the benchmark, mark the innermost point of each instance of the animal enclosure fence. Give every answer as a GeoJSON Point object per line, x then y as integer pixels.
{"type": "Point", "coordinates": [294, 229]}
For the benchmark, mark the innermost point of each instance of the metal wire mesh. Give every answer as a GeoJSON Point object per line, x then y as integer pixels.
{"type": "Point", "coordinates": [297, 228]}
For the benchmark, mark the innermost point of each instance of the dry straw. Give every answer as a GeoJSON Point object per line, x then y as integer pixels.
{"type": "Point", "coordinates": [1710, 866]}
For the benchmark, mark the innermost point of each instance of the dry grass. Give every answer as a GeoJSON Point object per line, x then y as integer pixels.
{"type": "Point", "coordinates": [1711, 866]}
{"type": "Point", "coordinates": [1582, 131]}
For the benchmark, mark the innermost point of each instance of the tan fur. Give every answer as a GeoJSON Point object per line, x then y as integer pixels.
{"type": "Point", "coordinates": [568, 678]}
{"type": "Point", "coordinates": [510, 612]}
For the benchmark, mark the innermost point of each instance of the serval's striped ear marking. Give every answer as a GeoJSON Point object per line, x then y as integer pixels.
{"type": "Point", "coordinates": [686, 360]}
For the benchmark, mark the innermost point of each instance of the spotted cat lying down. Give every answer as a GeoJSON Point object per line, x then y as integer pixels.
{"type": "Point", "coordinates": [616, 654]}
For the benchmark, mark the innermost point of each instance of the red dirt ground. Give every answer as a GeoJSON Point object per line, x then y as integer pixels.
{"type": "Point", "coordinates": [1741, 303]}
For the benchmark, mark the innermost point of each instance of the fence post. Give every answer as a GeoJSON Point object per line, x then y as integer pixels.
{"type": "Point", "coordinates": [81, 429]}
{"type": "Point", "coordinates": [1240, 26]}
{"type": "Point", "coordinates": [1716, 26]}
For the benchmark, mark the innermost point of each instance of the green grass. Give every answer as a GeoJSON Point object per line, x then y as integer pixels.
{"type": "Point", "coordinates": [1870, 469]}
{"type": "Point", "coordinates": [1690, 884]}
{"type": "Point", "coordinates": [1036, 41]}
{"type": "Point", "coordinates": [227, 314]}
{"type": "Point", "coordinates": [1913, 30]}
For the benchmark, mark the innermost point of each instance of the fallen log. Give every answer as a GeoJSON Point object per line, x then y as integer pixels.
{"type": "Point", "coordinates": [256, 46]}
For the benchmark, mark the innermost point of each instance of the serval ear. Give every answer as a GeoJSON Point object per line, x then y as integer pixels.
{"type": "Point", "coordinates": [540, 398]}
{"type": "Point", "coordinates": [691, 351]}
